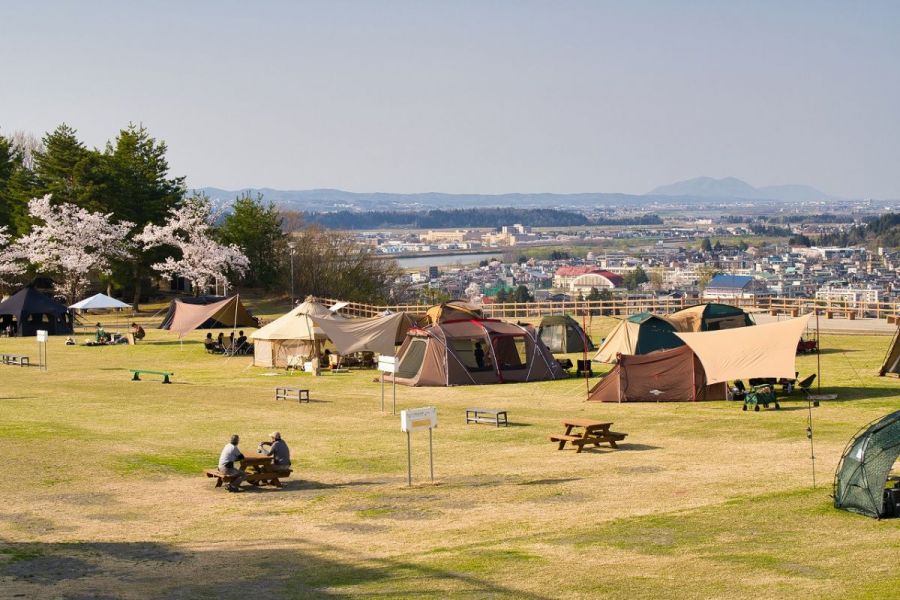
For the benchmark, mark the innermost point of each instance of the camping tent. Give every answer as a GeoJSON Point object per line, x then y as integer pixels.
{"type": "Point", "coordinates": [762, 351]}
{"type": "Point", "coordinates": [99, 302]}
{"type": "Point", "coordinates": [561, 333]}
{"type": "Point", "coordinates": [892, 358]}
{"type": "Point", "coordinates": [28, 311]}
{"type": "Point", "coordinates": [291, 335]}
{"type": "Point", "coordinates": [864, 467]}
{"type": "Point", "coordinates": [674, 375]}
{"type": "Point", "coordinates": [206, 312]}
{"type": "Point", "coordinates": [444, 354]}
{"type": "Point", "coordinates": [710, 317]}
{"type": "Point", "coordinates": [376, 334]}
{"type": "Point", "coordinates": [639, 334]}
{"type": "Point", "coordinates": [450, 311]}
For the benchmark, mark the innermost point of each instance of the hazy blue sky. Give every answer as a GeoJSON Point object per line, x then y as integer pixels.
{"type": "Point", "coordinates": [482, 96]}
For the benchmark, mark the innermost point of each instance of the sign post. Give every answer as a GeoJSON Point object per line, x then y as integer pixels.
{"type": "Point", "coordinates": [42, 337]}
{"type": "Point", "coordinates": [412, 420]}
{"type": "Point", "coordinates": [388, 364]}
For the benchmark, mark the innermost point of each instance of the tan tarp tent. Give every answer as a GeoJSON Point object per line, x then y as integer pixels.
{"type": "Point", "coordinates": [185, 317]}
{"type": "Point", "coordinates": [444, 354]}
{"type": "Point", "coordinates": [293, 336]}
{"type": "Point", "coordinates": [456, 310]}
{"type": "Point", "coordinates": [892, 359]}
{"type": "Point", "coordinates": [762, 351]}
{"type": "Point", "coordinates": [674, 375]}
{"type": "Point", "coordinates": [376, 334]}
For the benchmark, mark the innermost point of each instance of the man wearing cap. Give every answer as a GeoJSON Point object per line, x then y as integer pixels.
{"type": "Point", "coordinates": [230, 455]}
{"type": "Point", "coordinates": [279, 450]}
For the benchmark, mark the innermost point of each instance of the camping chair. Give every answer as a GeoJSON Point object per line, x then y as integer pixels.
{"type": "Point", "coordinates": [294, 362]}
{"type": "Point", "coordinates": [739, 390]}
{"type": "Point", "coordinates": [805, 385]}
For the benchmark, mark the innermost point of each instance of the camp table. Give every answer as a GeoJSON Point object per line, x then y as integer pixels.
{"type": "Point", "coordinates": [256, 467]}
{"type": "Point", "coordinates": [593, 432]}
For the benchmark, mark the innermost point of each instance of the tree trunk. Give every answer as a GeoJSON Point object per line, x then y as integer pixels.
{"type": "Point", "coordinates": [137, 288]}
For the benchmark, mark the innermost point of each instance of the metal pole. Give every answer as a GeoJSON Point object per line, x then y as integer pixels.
{"type": "Point", "coordinates": [430, 455]}
{"type": "Point", "coordinates": [818, 354]}
{"type": "Point", "coordinates": [382, 391]}
{"type": "Point", "coordinates": [394, 387]}
{"type": "Point", "coordinates": [809, 434]}
{"type": "Point", "coordinates": [408, 460]}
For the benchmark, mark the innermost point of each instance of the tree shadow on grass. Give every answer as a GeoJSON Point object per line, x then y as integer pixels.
{"type": "Point", "coordinates": [298, 569]}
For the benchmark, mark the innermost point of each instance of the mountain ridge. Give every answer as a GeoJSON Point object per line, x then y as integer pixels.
{"type": "Point", "coordinates": [732, 187]}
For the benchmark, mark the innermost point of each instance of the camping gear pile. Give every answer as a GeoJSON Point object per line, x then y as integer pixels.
{"type": "Point", "coordinates": [760, 395]}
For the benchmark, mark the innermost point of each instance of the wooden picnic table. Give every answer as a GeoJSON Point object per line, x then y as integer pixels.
{"type": "Point", "coordinates": [592, 432]}
{"type": "Point", "coordinates": [259, 469]}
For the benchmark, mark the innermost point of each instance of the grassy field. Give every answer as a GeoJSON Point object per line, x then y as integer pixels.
{"type": "Point", "coordinates": [104, 495]}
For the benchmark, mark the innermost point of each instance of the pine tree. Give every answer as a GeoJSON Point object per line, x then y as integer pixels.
{"type": "Point", "coordinates": [256, 227]}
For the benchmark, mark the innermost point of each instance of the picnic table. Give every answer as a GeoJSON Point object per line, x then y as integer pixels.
{"type": "Point", "coordinates": [592, 432]}
{"type": "Point", "coordinates": [259, 469]}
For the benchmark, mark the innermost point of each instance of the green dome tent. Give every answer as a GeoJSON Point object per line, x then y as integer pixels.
{"type": "Point", "coordinates": [562, 334]}
{"type": "Point", "coordinates": [642, 333]}
{"type": "Point", "coordinates": [859, 481]}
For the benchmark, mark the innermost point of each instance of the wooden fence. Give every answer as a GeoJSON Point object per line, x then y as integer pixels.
{"type": "Point", "coordinates": [628, 306]}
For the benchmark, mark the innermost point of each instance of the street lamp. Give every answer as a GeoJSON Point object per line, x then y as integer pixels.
{"type": "Point", "coordinates": [292, 246]}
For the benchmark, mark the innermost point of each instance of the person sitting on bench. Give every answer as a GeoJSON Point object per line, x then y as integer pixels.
{"type": "Point", "coordinates": [137, 332]}
{"type": "Point", "coordinates": [231, 454]}
{"type": "Point", "coordinates": [279, 450]}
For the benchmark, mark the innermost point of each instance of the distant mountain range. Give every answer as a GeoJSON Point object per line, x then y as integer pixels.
{"type": "Point", "coordinates": [702, 190]}
{"type": "Point", "coordinates": [734, 188]}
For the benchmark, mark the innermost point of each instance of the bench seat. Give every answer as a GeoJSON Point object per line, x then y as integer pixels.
{"type": "Point", "coordinates": [271, 476]}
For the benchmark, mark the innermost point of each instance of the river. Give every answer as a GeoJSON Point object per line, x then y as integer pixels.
{"type": "Point", "coordinates": [414, 262]}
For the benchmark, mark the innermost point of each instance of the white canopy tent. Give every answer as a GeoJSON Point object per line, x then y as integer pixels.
{"type": "Point", "coordinates": [99, 302]}
{"type": "Point", "coordinates": [761, 351]}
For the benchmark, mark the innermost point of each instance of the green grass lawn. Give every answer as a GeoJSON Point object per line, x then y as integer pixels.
{"type": "Point", "coordinates": [104, 493]}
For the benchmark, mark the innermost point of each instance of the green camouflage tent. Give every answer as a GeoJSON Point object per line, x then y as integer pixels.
{"type": "Point", "coordinates": [563, 334]}
{"type": "Point", "coordinates": [859, 482]}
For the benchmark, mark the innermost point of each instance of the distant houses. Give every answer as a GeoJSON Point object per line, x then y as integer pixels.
{"type": "Point", "coordinates": [734, 287]}
{"type": "Point", "coordinates": [583, 278]}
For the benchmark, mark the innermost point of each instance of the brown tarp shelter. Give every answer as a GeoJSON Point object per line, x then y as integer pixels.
{"type": "Point", "coordinates": [444, 354]}
{"type": "Point", "coordinates": [450, 311]}
{"type": "Point", "coordinates": [189, 314]}
{"type": "Point", "coordinates": [674, 375]}
{"type": "Point", "coordinates": [762, 351]}
{"type": "Point", "coordinates": [375, 334]}
{"type": "Point", "coordinates": [892, 358]}
{"type": "Point", "coordinates": [291, 337]}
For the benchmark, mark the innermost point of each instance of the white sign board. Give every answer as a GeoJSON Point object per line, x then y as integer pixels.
{"type": "Point", "coordinates": [387, 364]}
{"type": "Point", "coordinates": [414, 419]}
{"type": "Point", "coordinates": [42, 335]}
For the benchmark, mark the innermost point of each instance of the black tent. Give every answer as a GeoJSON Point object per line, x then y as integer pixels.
{"type": "Point", "coordinates": [859, 482]}
{"type": "Point", "coordinates": [28, 310]}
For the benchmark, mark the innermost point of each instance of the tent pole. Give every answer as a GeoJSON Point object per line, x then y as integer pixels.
{"type": "Point", "coordinates": [809, 434]}
{"type": "Point", "coordinates": [818, 356]}
{"type": "Point", "coordinates": [587, 382]}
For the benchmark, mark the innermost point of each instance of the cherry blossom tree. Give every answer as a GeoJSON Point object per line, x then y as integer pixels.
{"type": "Point", "coordinates": [10, 265]}
{"type": "Point", "coordinates": [189, 229]}
{"type": "Point", "coordinates": [72, 243]}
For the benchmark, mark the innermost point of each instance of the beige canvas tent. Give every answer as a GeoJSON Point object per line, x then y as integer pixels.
{"type": "Point", "coordinates": [455, 310]}
{"type": "Point", "coordinates": [763, 351]}
{"type": "Point", "coordinates": [710, 317]}
{"type": "Point", "coordinates": [292, 336]}
{"type": "Point", "coordinates": [188, 314]}
{"type": "Point", "coordinates": [674, 375]}
{"type": "Point", "coordinates": [892, 358]}
{"type": "Point", "coordinates": [376, 334]}
{"type": "Point", "coordinates": [445, 354]}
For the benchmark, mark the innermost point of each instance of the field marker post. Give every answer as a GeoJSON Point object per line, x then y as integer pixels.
{"type": "Point", "coordinates": [414, 419]}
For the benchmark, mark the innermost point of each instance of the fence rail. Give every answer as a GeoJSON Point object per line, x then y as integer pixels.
{"type": "Point", "coordinates": [624, 307]}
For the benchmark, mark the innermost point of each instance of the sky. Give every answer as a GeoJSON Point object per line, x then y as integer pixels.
{"type": "Point", "coordinates": [472, 97]}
